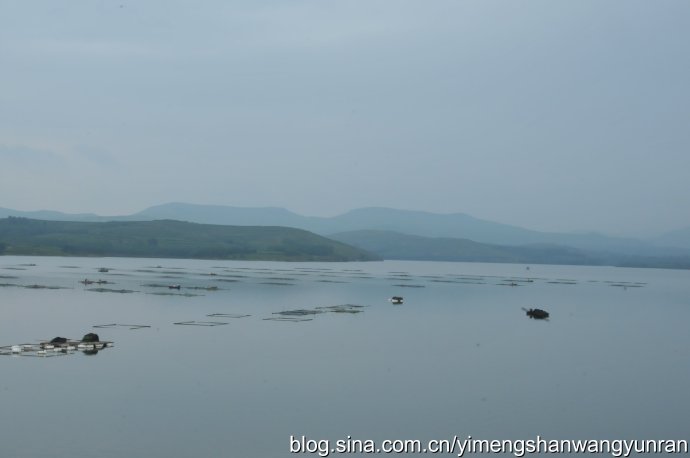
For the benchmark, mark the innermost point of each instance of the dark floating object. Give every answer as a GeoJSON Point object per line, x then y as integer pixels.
{"type": "Point", "coordinates": [103, 269]}
{"type": "Point", "coordinates": [174, 287]}
{"type": "Point", "coordinates": [90, 337]}
{"type": "Point", "coordinates": [396, 299]}
{"type": "Point", "coordinates": [537, 314]}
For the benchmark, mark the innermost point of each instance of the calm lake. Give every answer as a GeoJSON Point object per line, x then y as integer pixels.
{"type": "Point", "coordinates": [458, 357]}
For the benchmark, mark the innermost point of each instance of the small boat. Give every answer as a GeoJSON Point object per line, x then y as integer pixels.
{"type": "Point", "coordinates": [103, 269]}
{"type": "Point", "coordinates": [396, 299]}
{"type": "Point", "coordinates": [537, 314]}
{"type": "Point", "coordinates": [174, 286]}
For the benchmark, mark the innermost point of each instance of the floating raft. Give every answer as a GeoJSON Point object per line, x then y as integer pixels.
{"type": "Point", "coordinates": [48, 348]}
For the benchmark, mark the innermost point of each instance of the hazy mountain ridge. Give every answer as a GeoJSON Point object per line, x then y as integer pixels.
{"type": "Point", "coordinates": [220, 214]}
{"type": "Point", "coordinates": [51, 215]}
{"type": "Point", "coordinates": [426, 224]}
{"type": "Point", "coordinates": [393, 245]}
{"type": "Point", "coordinates": [679, 238]}
{"type": "Point", "coordinates": [419, 223]}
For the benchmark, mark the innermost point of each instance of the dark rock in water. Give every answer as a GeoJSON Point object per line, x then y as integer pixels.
{"type": "Point", "coordinates": [59, 340]}
{"type": "Point", "coordinates": [537, 314]}
{"type": "Point", "coordinates": [90, 337]}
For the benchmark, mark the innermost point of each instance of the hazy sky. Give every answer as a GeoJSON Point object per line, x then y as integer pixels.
{"type": "Point", "coordinates": [552, 115]}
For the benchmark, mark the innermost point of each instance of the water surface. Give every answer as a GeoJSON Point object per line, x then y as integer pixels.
{"type": "Point", "coordinates": [459, 357]}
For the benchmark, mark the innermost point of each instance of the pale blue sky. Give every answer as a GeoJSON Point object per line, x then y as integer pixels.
{"type": "Point", "coordinates": [552, 115]}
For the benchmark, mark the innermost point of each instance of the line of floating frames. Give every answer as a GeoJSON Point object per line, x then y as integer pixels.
{"type": "Point", "coordinates": [227, 315]}
{"type": "Point", "coordinates": [118, 325]}
{"type": "Point", "coordinates": [201, 323]}
{"type": "Point", "coordinates": [287, 318]}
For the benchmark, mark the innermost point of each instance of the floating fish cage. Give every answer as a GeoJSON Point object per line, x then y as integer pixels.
{"type": "Point", "coordinates": [49, 348]}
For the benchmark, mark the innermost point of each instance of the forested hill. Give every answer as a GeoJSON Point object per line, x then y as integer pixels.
{"type": "Point", "coordinates": [170, 239]}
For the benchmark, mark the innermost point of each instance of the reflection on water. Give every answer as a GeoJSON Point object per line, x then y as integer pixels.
{"type": "Point", "coordinates": [318, 350]}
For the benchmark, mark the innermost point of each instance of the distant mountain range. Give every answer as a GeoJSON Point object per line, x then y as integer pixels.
{"type": "Point", "coordinates": [425, 224]}
{"type": "Point", "coordinates": [50, 215]}
{"type": "Point", "coordinates": [393, 245]}
{"type": "Point", "coordinates": [679, 238]}
{"type": "Point", "coordinates": [412, 223]}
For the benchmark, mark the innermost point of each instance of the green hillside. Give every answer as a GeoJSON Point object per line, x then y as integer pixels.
{"type": "Point", "coordinates": [170, 239]}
